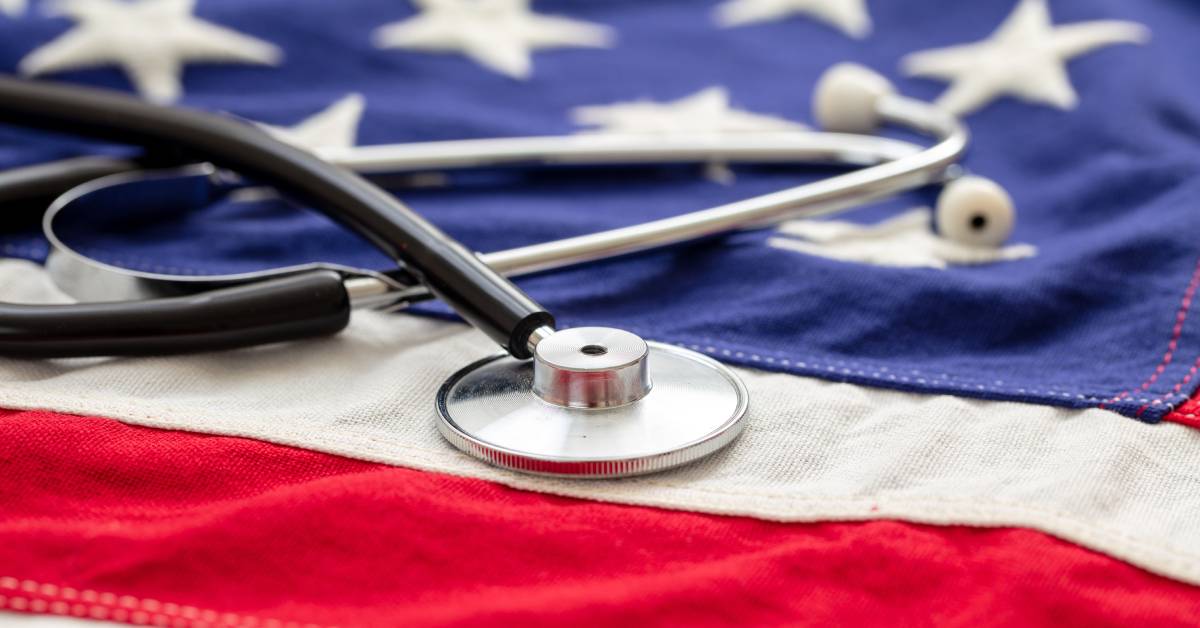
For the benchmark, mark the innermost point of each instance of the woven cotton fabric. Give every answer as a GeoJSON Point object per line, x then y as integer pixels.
{"type": "Point", "coordinates": [812, 451]}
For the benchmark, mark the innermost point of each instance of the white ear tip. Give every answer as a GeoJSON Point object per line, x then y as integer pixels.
{"type": "Point", "coordinates": [975, 211]}
{"type": "Point", "coordinates": [846, 97]}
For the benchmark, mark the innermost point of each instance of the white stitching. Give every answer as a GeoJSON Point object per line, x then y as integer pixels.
{"type": "Point", "coordinates": [881, 374]}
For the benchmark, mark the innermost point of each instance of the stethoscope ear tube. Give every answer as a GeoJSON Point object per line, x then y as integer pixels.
{"type": "Point", "coordinates": [287, 308]}
{"type": "Point", "coordinates": [479, 294]}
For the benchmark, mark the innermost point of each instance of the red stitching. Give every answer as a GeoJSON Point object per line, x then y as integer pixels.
{"type": "Point", "coordinates": [1176, 390]}
{"type": "Point", "coordinates": [36, 597]}
{"type": "Point", "coordinates": [1176, 333]}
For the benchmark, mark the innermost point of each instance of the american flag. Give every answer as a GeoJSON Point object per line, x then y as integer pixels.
{"type": "Point", "coordinates": [1005, 440]}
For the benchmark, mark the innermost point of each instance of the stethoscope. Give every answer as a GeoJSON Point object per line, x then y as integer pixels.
{"type": "Point", "coordinates": [583, 402]}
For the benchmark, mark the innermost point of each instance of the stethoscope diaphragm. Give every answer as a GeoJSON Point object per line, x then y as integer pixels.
{"type": "Point", "coordinates": [605, 404]}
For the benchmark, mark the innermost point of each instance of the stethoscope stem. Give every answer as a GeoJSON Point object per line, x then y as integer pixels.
{"type": "Point", "coordinates": [538, 335]}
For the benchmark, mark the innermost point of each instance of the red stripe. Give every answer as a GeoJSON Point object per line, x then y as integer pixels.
{"type": "Point", "coordinates": [239, 527]}
{"type": "Point", "coordinates": [1188, 412]}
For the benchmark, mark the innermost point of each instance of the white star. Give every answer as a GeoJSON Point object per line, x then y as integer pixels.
{"type": "Point", "coordinates": [12, 7]}
{"type": "Point", "coordinates": [332, 133]}
{"type": "Point", "coordinates": [1026, 57]}
{"type": "Point", "coordinates": [850, 16]}
{"type": "Point", "coordinates": [334, 127]}
{"type": "Point", "coordinates": [330, 130]}
{"type": "Point", "coordinates": [498, 34]}
{"type": "Point", "coordinates": [150, 39]}
{"type": "Point", "coordinates": [708, 112]}
{"type": "Point", "coordinates": [907, 240]}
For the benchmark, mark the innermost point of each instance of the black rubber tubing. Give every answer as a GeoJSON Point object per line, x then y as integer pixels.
{"type": "Point", "coordinates": [456, 275]}
{"type": "Point", "coordinates": [288, 308]}
{"type": "Point", "coordinates": [44, 182]}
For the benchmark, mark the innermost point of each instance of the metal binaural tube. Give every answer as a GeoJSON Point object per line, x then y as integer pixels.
{"type": "Point", "coordinates": [813, 199]}
{"type": "Point", "coordinates": [604, 149]}
{"type": "Point", "coordinates": [909, 169]}
{"type": "Point", "coordinates": [43, 182]}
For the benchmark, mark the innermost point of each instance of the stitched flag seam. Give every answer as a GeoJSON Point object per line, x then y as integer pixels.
{"type": "Point", "coordinates": [31, 596]}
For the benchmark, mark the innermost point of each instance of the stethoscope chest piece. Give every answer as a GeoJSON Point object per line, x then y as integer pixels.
{"type": "Point", "coordinates": [594, 402]}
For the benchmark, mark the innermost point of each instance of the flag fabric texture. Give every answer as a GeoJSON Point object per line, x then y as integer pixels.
{"type": "Point", "coordinates": [932, 439]}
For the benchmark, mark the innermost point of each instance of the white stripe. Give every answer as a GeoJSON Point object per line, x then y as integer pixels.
{"type": "Point", "coordinates": [23, 620]}
{"type": "Point", "coordinates": [813, 450]}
